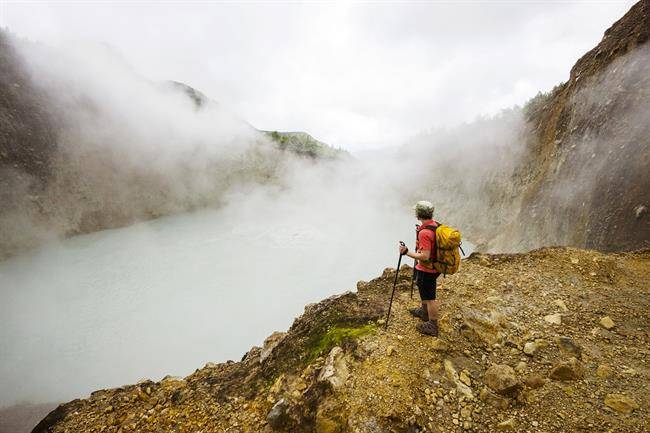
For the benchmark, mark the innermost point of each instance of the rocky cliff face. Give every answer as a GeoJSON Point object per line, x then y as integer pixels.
{"type": "Point", "coordinates": [28, 141]}
{"type": "Point", "coordinates": [585, 180]}
{"type": "Point", "coordinates": [554, 340]}
{"type": "Point", "coordinates": [569, 168]}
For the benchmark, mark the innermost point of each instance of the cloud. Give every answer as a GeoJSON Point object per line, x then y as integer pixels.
{"type": "Point", "coordinates": [355, 75]}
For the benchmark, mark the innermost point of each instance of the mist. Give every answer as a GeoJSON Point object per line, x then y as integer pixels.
{"type": "Point", "coordinates": [206, 237]}
{"type": "Point", "coordinates": [171, 232]}
{"type": "Point", "coordinates": [127, 148]}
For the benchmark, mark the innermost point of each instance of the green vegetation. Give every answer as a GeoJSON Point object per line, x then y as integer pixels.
{"type": "Point", "coordinates": [335, 336]}
{"type": "Point", "coordinates": [539, 101]}
{"type": "Point", "coordinates": [304, 144]}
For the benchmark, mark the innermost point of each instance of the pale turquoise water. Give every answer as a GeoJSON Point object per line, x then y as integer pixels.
{"type": "Point", "coordinates": [167, 296]}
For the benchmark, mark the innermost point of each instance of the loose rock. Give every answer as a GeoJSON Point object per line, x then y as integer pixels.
{"type": "Point", "coordinates": [464, 377]}
{"type": "Point", "coordinates": [533, 346]}
{"type": "Point", "coordinates": [502, 379]}
{"type": "Point", "coordinates": [553, 319]}
{"type": "Point", "coordinates": [277, 417]}
{"type": "Point", "coordinates": [507, 425]}
{"type": "Point", "coordinates": [567, 370]}
{"type": "Point", "coordinates": [271, 343]}
{"type": "Point", "coordinates": [604, 371]}
{"type": "Point", "coordinates": [567, 345]}
{"type": "Point", "coordinates": [607, 323]}
{"type": "Point", "coordinates": [535, 380]}
{"type": "Point", "coordinates": [620, 403]}
{"type": "Point", "coordinates": [560, 303]}
{"type": "Point", "coordinates": [335, 372]}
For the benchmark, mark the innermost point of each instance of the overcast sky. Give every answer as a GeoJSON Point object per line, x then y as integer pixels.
{"type": "Point", "coordinates": [357, 75]}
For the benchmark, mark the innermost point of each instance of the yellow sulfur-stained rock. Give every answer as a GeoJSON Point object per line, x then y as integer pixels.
{"type": "Point", "coordinates": [607, 323]}
{"type": "Point", "coordinates": [507, 425]}
{"type": "Point", "coordinates": [620, 403]}
{"type": "Point", "coordinates": [604, 371]}
{"type": "Point", "coordinates": [553, 319]}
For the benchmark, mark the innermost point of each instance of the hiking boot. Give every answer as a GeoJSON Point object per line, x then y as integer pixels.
{"type": "Point", "coordinates": [429, 327]}
{"type": "Point", "coordinates": [420, 312]}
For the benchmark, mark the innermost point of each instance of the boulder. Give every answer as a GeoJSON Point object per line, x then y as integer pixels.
{"type": "Point", "coordinates": [252, 355]}
{"type": "Point", "coordinates": [388, 273]}
{"type": "Point", "coordinates": [502, 379]}
{"type": "Point", "coordinates": [483, 328]}
{"type": "Point", "coordinates": [335, 371]}
{"type": "Point", "coordinates": [620, 403]}
{"type": "Point", "coordinates": [440, 345]}
{"type": "Point", "coordinates": [569, 346]}
{"type": "Point", "coordinates": [278, 417]}
{"type": "Point", "coordinates": [271, 343]}
{"type": "Point", "coordinates": [567, 370]}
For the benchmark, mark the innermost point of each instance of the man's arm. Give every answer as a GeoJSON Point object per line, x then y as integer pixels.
{"type": "Point", "coordinates": [421, 255]}
{"type": "Point", "coordinates": [425, 244]}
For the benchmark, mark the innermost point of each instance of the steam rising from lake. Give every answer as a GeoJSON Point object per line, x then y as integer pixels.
{"type": "Point", "coordinates": [166, 296]}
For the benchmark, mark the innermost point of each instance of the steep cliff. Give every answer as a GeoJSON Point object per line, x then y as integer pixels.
{"type": "Point", "coordinates": [28, 141]}
{"type": "Point", "coordinates": [585, 180]}
{"type": "Point", "coordinates": [568, 168]}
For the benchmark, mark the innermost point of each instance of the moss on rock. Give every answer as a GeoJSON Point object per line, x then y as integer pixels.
{"type": "Point", "coordinates": [335, 336]}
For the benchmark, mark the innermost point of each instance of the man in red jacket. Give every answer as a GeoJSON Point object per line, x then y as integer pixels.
{"type": "Point", "coordinates": [426, 274]}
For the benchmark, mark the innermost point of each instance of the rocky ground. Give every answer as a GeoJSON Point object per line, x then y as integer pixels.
{"type": "Point", "coordinates": [554, 340]}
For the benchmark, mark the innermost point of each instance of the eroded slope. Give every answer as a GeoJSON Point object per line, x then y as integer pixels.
{"type": "Point", "coordinates": [527, 345]}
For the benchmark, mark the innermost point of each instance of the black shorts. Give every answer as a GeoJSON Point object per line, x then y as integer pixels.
{"type": "Point", "coordinates": [426, 282]}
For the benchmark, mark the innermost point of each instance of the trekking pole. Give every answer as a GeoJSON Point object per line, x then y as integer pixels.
{"type": "Point", "coordinates": [415, 262]}
{"type": "Point", "coordinates": [390, 305]}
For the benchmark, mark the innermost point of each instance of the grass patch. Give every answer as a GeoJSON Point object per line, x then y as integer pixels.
{"type": "Point", "coordinates": [335, 336]}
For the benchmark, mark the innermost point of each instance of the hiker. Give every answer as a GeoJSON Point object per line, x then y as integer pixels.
{"type": "Point", "coordinates": [425, 273]}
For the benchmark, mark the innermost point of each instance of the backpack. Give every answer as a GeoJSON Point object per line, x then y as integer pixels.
{"type": "Point", "coordinates": [446, 257]}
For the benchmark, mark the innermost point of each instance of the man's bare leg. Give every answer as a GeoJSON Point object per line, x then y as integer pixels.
{"type": "Point", "coordinates": [432, 309]}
